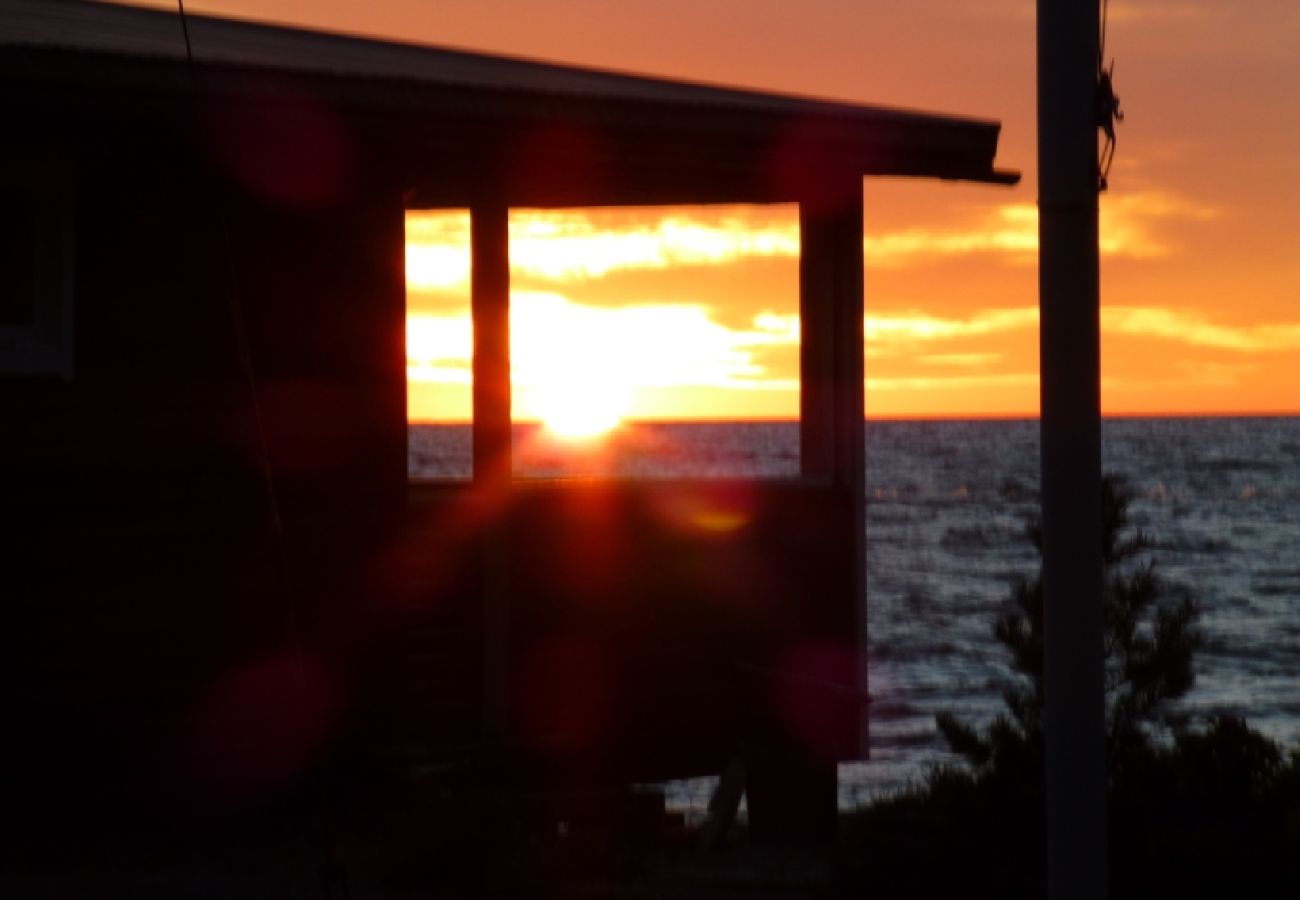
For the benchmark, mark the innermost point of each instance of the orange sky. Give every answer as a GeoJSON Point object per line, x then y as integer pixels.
{"type": "Point", "coordinates": [1200, 230]}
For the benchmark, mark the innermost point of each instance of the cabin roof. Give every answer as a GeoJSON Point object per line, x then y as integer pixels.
{"type": "Point", "coordinates": [144, 49]}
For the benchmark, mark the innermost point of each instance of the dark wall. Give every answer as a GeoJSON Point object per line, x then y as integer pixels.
{"type": "Point", "coordinates": [659, 630]}
{"type": "Point", "coordinates": [189, 512]}
{"type": "Point", "coordinates": [209, 538]}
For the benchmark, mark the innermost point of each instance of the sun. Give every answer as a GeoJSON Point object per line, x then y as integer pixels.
{"type": "Point", "coordinates": [581, 409]}
{"type": "Point", "coordinates": [571, 365]}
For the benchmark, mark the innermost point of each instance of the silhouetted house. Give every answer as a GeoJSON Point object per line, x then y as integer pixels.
{"type": "Point", "coordinates": [215, 564]}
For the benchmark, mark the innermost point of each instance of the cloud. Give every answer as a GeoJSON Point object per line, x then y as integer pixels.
{"type": "Point", "coordinates": [1128, 228]}
{"type": "Point", "coordinates": [653, 347]}
{"type": "Point", "coordinates": [952, 382]}
{"type": "Point", "coordinates": [917, 326]}
{"type": "Point", "coordinates": [1128, 221]}
{"type": "Point", "coordinates": [775, 329]}
{"type": "Point", "coordinates": [1012, 229]}
{"type": "Point", "coordinates": [568, 246]}
{"type": "Point", "coordinates": [1160, 322]}
{"type": "Point", "coordinates": [960, 359]}
{"type": "Point", "coordinates": [646, 345]}
{"type": "Point", "coordinates": [437, 250]}
{"type": "Point", "coordinates": [672, 344]}
{"type": "Point", "coordinates": [439, 348]}
{"type": "Point", "coordinates": [1192, 328]}
{"type": "Point", "coordinates": [577, 245]}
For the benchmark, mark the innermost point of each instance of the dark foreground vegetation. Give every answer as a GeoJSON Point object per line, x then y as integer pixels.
{"type": "Point", "coordinates": [1196, 808]}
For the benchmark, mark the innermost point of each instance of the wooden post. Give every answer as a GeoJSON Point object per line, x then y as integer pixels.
{"type": "Point", "coordinates": [832, 373]}
{"type": "Point", "coordinates": [793, 797]}
{"type": "Point", "coordinates": [1069, 336]}
{"type": "Point", "coordinates": [490, 306]}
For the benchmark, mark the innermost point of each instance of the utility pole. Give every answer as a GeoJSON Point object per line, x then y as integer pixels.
{"type": "Point", "coordinates": [1069, 344]}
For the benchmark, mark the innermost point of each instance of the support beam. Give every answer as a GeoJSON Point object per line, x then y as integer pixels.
{"type": "Point", "coordinates": [831, 348]}
{"type": "Point", "coordinates": [1071, 449]}
{"type": "Point", "coordinates": [490, 306]}
{"type": "Point", "coordinates": [832, 393]}
{"type": "Point", "coordinates": [792, 785]}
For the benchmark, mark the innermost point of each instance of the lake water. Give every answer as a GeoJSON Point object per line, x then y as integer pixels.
{"type": "Point", "coordinates": [947, 503]}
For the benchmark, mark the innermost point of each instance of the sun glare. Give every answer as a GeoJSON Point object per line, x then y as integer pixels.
{"type": "Point", "coordinates": [602, 330]}
{"type": "Point", "coordinates": [581, 411]}
{"type": "Point", "coordinates": [570, 367]}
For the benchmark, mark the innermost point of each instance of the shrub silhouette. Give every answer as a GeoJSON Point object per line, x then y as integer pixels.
{"type": "Point", "coordinates": [1207, 811]}
{"type": "Point", "coordinates": [1149, 642]}
{"type": "Point", "coordinates": [1211, 811]}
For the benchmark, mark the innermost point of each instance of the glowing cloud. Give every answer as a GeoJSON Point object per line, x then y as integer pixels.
{"type": "Point", "coordinates": [558, 346]}
{"type": "Point", "coordinates": [774, 329]}
{"type": "Point", "coordinates": [1014, 229]}
{"type": "Point", "coordinates": [566, 246]}
{"type": "Point", "coordinates": [1127, 222]}
{"type": "Point", "coordinates": [1191, 328]}
{"type": "Point", "coordinates": [1127, 229]}
{"type": "Point", "coordinates": [1135, 321]}
{"type": "Point", "coordinates": [579, 245]}
{"type": "Point", "coordinates": [918, 326]}
{"type": "Point", "coordinates": [573, 245]}
{"type": "Point", "coordinates": [437, 250]}
{"type": "Point", "coordinates": [952, 382]}
{"type": "Point", "coordinates": [960, 360]}
{"type": "Point", "coordinates": [439, 348]}
{"type": "Point", "coordinates": [653, 345]}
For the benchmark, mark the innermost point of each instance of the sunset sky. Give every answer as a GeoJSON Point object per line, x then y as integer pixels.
{"type": "Point", "coordinates": [1200, 230]}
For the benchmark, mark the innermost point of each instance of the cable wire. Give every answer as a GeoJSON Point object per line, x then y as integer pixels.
{"type": "Point", "coordinates": [333, 873]}
{"type": "Point", "coordinates": [185, 32]}
{"type": "Point", "coordinates": [249, 372]}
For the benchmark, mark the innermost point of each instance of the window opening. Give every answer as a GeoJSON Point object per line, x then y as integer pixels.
{"type": "Point", "coordinates": [646, 342]}
{"type": "Point", "coordinates": [655, 342]}
{"type": "Point", "coordinates": [439, 345]}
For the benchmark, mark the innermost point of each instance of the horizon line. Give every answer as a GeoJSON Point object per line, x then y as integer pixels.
{"type": "Point", "coordinates": [908, 417]}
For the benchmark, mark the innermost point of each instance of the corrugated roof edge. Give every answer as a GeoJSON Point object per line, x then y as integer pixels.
{"type": "Point", "coordinates": [114, 29]}
{"type": "Point", "coordinates": [129, 30]}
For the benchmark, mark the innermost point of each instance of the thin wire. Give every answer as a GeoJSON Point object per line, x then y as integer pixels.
{"type": "Point", "coordinates": [333, 871]}
{"type": "Point", "coordinates": [185, 30]}
{"type": "Point", "coordinates": [245, 350]}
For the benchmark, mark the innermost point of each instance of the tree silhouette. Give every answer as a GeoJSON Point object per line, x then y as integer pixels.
{"type": "Point", "coordinates": [1211, 811]}
{"type": "Point", "coordinates": [1149, 642]}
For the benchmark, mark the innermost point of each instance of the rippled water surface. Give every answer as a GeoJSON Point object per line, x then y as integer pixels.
{"type": "Point", "coordinates": [947, 503]}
